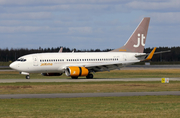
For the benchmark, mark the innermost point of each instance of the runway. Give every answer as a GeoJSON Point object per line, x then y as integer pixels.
{"type": "Point", "coordinates": [83, 80]}
{"type": "Point", "coordinates": [79, 95]}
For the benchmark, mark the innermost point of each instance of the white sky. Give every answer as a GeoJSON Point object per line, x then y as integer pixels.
{"type": "Point", "coordinates": [86, 24]}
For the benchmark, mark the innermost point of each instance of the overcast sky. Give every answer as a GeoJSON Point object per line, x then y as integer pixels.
{"type": "Point", "coordinates": [86, 24]}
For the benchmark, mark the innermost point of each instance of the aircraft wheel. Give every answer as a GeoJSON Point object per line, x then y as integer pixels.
{"type": "Point", "coordinates": [74, 77]}
{"type": "Point", "coordinates": [27, 77]}
{"type": "Point", "coordinates": [89, 76]}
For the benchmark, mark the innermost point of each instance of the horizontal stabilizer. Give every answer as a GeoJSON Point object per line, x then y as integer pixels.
{"type": "Point", "coordinates": [151, 54]}
{"type": "Point", "coordinates": [162, 52]}
{"type": "Point", "coordinates": [148, 56]}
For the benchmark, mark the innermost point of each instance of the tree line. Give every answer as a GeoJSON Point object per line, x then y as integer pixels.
{"type": "Point", "coordinates": [12, 54]}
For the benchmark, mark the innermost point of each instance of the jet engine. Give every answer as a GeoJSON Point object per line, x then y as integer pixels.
{"type": "Point", "coordinates": [76, 71]}
{"type": "Point", "coordinates": [51, 74]}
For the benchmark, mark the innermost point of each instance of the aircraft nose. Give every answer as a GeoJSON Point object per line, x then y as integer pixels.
{"type": "Point", "coordinates": [13, 65]}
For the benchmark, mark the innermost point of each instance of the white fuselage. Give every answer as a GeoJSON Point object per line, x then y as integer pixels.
{"type": "Point", "coordinates": [58, 62]}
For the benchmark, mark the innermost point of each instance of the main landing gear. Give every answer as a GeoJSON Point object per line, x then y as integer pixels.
{"type": "Point", "coordinates": [89, 76]}
{"type": "Point", "coordinates": [74, 77]}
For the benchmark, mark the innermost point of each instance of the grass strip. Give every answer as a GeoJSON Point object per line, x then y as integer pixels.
{"type": "Point", "coordinates": [99, 107]}
{"type": "Point", "coordinates": [86, 87]}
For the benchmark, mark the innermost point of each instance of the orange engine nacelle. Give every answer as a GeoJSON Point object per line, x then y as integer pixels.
{"type": "Point", "coordinates": [75, 71]}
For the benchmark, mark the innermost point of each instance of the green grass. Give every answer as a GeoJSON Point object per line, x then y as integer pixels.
{"type": "Point", "coordinates": [99, 107]}
{"type": "Point", "coordinates": [159, 63]}
{"type": "Point", "coordinates": [5, 63]}
{"type": "Point", "coordinates": [149, 73]}
{"type": "Point", "coordinates": [87, 87]}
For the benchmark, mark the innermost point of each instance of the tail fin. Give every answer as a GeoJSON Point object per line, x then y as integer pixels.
{"type": "Point", "coordinates": [137, 40]}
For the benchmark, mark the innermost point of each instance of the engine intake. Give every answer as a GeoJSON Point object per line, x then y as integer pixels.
{"type": "Point", "coordinates": [76, 71]}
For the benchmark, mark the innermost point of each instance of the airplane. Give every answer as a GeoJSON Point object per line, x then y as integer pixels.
{"type": "Point", "coordinates": [77, 64]}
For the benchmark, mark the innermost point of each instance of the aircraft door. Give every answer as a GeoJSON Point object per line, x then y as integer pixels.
{"type": "Point", "coordinates": [35, 61]}
{"type": "Point", "coordinates": [124, 57]}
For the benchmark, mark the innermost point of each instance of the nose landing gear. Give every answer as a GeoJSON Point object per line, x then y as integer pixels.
{"type": "Point", "coordinates": [27, 77]}
{"type": "Point", "coordinates": [25, 73]}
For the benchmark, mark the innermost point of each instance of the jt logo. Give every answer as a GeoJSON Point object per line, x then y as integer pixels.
{"type": "Point", "coordinates": [140, 39]}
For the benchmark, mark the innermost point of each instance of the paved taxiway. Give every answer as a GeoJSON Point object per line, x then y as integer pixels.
{"type": "Point", "coordinates": [76, 95]}
{"type": "Point", "coordinates": [83, 80]}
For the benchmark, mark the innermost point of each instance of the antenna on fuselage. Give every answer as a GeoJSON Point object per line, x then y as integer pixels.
{"type": "Point", "coordinates": [61, 50]}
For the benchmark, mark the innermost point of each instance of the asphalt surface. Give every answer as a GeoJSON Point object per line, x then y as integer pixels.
{"type": "Point", "coordinates": [79, 95]}
{"type": "Point", "coordinates": [84, 80]}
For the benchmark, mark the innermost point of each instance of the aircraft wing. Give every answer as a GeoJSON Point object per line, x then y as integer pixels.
{"type": "Point", "coordinates": [108, 66]}
{"type": "Point", "coordinates": [99, 67]}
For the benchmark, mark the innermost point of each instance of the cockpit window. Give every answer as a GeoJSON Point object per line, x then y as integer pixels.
{"type": "Point", "coordinates": [21, 59]}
